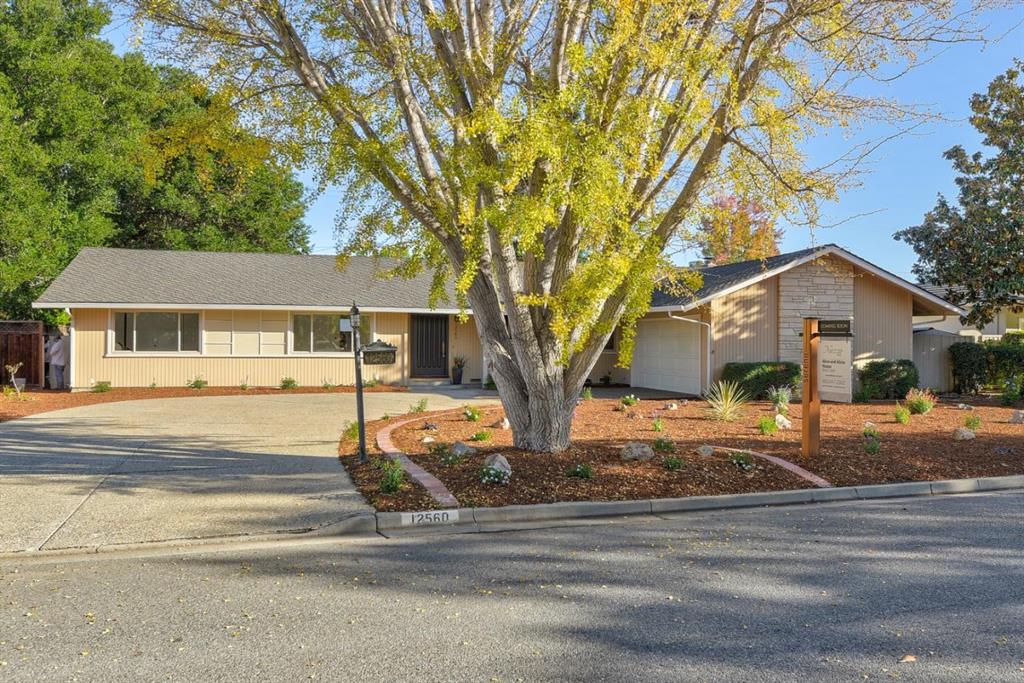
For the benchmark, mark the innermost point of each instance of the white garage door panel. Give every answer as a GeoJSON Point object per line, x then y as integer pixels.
{"type": "Point", "coordinates": [667, 356]}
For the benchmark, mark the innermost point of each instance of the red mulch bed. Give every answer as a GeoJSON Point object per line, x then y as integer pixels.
{"type": "Point", "coordinates": [34, 401]}
{"type": "Point", "coordinates": [921, 450]}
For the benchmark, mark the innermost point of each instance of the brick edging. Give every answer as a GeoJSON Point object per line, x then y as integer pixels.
{"type": "Point", "coordinates": [784, 464]}
{"type": "Point", "coordinates": [437, 490]}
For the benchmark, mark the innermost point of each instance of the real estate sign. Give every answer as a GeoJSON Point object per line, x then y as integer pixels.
{"type": "Point", "coordinates": [835, 369]}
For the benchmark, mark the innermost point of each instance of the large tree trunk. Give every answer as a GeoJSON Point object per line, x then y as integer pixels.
{"type": "Point", "coordinates": [540, 421]}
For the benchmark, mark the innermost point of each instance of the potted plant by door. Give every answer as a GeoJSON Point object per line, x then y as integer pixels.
{"type": "Point", "coordinates": [458, 364]}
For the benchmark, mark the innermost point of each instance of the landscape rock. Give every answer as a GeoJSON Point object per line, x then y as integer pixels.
{"type": "Point", "coordinates": [870, 426]}
{"type": "Point", "coordinates": [498, 462]}
{"type": "Point", "coordinates": [964, 406]}
{"type": "Point", "coordinates": [503, 423]}
{"type": "Point", "coordinates": [634, 450]}
{"type": "Point", "coordinates": [706, 451]}
{"type": "Point", "coordinates": [963, 434]}
{"type": "Point", "coordinates": [428, 439]}
{"type": "Point", "coordinates": [461, 450]}
{"type": "Point", "coordinates": [783, 422]}
{"type": "Point", "coordinates": [429, 425]}
{"type": "Point", "coordinates": [672, 406]}
{"type": "Point", "coordinates": [1017, 418]}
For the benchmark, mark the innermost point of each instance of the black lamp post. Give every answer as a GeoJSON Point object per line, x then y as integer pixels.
{"type": "Point", "coordinates": [354, 320]}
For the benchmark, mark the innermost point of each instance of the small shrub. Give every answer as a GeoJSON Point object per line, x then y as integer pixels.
{"type": "Point", "coordinates": [726, 401]}
{"type": "Point", "coordinates": [970, 366]}
{"type": "Point", "coordinates": [581, 470]}
{"type": "Point", "coordinates": [489, 384]}
{"type": "Point", "coordinates": [289, 383]}
{"type": "Point", "coordinates": [587, 394]}
{"type": "Point", "coordinates": [385, 417]}
{"type": "Point", "coordinates": [972, 422]}
{"type": "Point", "coordinates": [392, 477]}
{"type": "Point", "coordinates": [472, 413]}
{"type": "Point", "coordinates": [1004, 360]}
{"type": "Point", "coordinates": [197, 382]}
{"type": "Point", "coordinates": [870, 432]}
{"type": "Point", "coordinates": [767, 425]}
{"type": "Point", "coordinates": [444, 452]}
{"type": "Point", "coordinates": [493, 475]}
{"type": "Point", "coordinates": [672, 463]}
{"type": "Point", "coordinates": [920, 401]}
{"type": "Point", "coordinates": [780, 398]}
{"type": "Point", "coordinates": [350, 431]}
{"type": "Point", "coordinates": [888, 379]}
{"type": "Point", "coordinates": [902, 414]}
{"type": "Point", "coordinates": [103, 387]}
{"type": "Point", "coordinates": [152, 385]}
{"type": "Point", "coordinates": [419, 407]}
{"type": "Point", "coordinates": [756, 378]}
{"type": "Point", "coordinates": [1011, 391]}
{"type": "Point", "coordinates": [665, 445]}
{"type": "Point", "coordinates": [658, 425]}
{"type": "Point", "coordinates": [482, 435]}
{"type": "Point", "coordinates": [370, 383]}
{"type": "Point", "coordinates": [862, 395]}
{"type": "Point", "coordinates": [629, 400]}
{"type": "Point", "coordinates": [872, 446]}
{"type": "Point", "coordinates": [326, 386]}
{"type": "Point", "coordinates": [243, 386]}
{"type": "Point", "coordinates": [744, 461]}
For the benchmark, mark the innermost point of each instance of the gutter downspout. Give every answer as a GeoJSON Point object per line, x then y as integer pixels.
{"type": "Point", "coordinates": [707, 326]}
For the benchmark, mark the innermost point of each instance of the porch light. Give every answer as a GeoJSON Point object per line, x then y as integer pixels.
{"type": "Point", "coordinates": [354, 317]}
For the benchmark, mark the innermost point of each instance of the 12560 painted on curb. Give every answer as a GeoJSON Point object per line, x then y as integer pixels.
{"type": "Point", "coordinates": [430, 517]}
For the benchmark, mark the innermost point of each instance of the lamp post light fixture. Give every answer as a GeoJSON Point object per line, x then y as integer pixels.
{"type": "Point", "coordinates": [354, 320]}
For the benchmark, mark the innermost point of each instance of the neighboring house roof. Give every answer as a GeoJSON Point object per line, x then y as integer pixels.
{"type": "Point", "coordinates": [957, 292]}
{"type": "Point", "coordinates": [722, 280]}
{"type": "Point", "coordinates": [98, 278]}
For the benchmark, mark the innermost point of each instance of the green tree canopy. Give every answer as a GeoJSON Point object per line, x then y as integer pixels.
{"type": "Point", "coordinates": [102, 150]}
{"type": "Point", "coordinates": [977, 245]}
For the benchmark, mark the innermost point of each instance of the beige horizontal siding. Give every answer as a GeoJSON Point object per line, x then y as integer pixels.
{"type": "Point", "coordinates": [92, 364]}
{"type": "Point", "coordinates": [744, 326]}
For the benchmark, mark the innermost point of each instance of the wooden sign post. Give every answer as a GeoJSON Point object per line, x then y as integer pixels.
{"type": "Point", "coordinates": [811, 398]}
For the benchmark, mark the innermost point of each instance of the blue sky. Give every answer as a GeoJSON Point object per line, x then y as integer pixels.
{"type": "Point", "coordinates": [902, 181]}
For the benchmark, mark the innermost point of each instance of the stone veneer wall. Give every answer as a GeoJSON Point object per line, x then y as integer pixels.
{"type": "Point", "coordinates": [821, 288]}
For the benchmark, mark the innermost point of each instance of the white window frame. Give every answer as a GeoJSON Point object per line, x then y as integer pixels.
{"type": "Point", "coordinates": [290, 349]}
{"type": "Point", "coordinates": [112, 351]}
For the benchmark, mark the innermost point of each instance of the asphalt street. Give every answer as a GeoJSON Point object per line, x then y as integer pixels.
{"type": "Point", "coordinates": [838, 592]}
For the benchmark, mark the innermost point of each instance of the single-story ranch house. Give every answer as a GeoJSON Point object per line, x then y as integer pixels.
{"type": "Point", "coordinates": [164, 317]}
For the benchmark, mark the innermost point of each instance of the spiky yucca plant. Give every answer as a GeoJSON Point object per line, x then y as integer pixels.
{"type": "Point", "coordinates": [726, 401]}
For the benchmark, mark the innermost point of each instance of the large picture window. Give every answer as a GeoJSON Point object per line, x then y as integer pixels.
{"type": "Point", "coordinates": [327, 333]}
{"type": "Point", "coordinates": [156, 332]}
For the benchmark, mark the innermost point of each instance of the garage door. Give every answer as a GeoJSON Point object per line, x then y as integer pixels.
{"type": "Point", "coordinates": [667, 356]}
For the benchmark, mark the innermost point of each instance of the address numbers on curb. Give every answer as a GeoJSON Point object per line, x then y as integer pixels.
{"type": "Point", "coordinates": [430, 517]}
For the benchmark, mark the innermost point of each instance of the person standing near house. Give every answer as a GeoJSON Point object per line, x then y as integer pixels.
{"type": "Point", "coordinates": [58, 358]}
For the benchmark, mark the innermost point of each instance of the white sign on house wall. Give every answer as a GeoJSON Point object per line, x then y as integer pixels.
{"type": "Point", "coordinates": [835, 369]}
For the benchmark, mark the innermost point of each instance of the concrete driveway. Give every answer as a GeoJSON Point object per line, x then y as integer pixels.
{"type": "Point", "coordinates": [179, 468]}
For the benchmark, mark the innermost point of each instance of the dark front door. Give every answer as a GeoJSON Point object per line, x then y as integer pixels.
{"type": "Point", "coordinates": [429, 346]}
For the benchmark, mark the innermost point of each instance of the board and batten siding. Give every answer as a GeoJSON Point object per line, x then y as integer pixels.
{"type": "Point", "coordinates": [464, 340]}
{"type": "Point", "coordinates": [882, 320]}
{"type": "Point", "coordinates": [239, 346]}
{"type": "Point", "coordinates": [744, 326]}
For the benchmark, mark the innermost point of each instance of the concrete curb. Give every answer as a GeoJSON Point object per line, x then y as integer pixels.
{"type": "Point", "coordinates": [478, 519]}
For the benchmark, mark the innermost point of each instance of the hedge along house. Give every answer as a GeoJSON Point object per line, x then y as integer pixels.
{"type": "Point", "coordinates": [165, 317]}
{"type": "Point", "coordinates": [143, 317]}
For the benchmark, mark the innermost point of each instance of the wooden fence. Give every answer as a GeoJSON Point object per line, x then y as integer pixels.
{"type": "Point", "coordinates": [21, 341]}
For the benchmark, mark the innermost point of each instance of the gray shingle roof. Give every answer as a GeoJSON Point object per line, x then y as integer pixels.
{"type": "Point", "coordinates": [719, 278]}
{"type": "Point", "coordinates": [139, 277]}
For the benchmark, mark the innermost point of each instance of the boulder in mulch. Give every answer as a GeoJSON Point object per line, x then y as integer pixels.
{"type": "Point", "coordinates": [428, 439]}
{"type": "Point", "coordinates": [963, 434]}
{"type": "Point", "coordinates": [672, 406]}
{"type": "Point", "coordinates": [964, 406]}
{"type": "Point", "coordinates": [705, 451]}
{"type": "Point", "coordinates": [783, 422]}
{"type": "Point", "coordinates": [499, 462]}
{"type": "Point", "coordinates": [1017, 418]}
{"type": "Point", "coordinates": [870, 427]}
{"type": "Point", "coordinates": [427, 426]}
{"type": "Point", "coordinates": [503, 423]}
{"type": "Point", "coordinates": [461, 450]}
{"type": "Point", "coordinates": [634, 450]}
